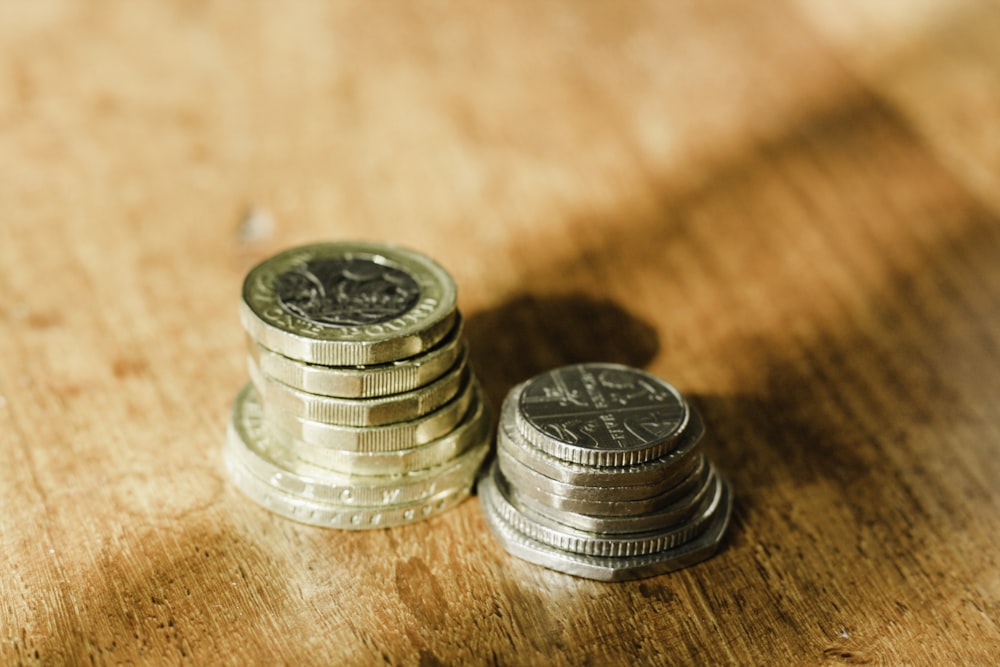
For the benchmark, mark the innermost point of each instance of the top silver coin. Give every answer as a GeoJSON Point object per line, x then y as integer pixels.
{"type": "Point", "coordinates": [600, 414]}
{"type": "Point", "coordinates": [346, 304]}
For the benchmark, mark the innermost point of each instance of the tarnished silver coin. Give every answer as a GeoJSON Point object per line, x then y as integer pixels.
{"type": "Point", "coordinates": [600, 414]}
{"type": "Point", "coordinates": [597, 506]}
{"type": "Point", "coordinates": [541, 528]}
{"type": "Point", "coordinates": [599, 473]}
{"type": "Point", "coordinates": [394, 377]}
{"type": "Point", "coordinates": [534, 468]}
{"type": "Point", "coordinates": [604, 568]}
{"type": "Point", "coordinates": [362, 411]}
{"type": "Point", "coordinates": [250, 443]}
{"type": "Point", "coordinates": [472, 430]}
{"type": "Point", "coordinates": [692, 492]}
{"type": "Point", "coordinates": [350, 303]}
{"type": "Point", "coordinates": [525, 477]}
{"type": "Point", "coordinates": [375, 439]}
{"type": "Point", "coordinates": [664, 471]}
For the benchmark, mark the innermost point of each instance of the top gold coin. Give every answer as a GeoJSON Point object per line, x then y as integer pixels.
{"type": "Point", "coordinates": [348, 304]}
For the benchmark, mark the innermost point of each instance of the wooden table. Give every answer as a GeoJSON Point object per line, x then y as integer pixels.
{"type": "Point", "coordinates": [788, 210]}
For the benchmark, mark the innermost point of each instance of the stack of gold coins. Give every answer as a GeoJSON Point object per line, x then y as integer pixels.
{"type": "Point", "coordinates": [599, 473]}
{"type": "Point", "coordinates": [362, 411]}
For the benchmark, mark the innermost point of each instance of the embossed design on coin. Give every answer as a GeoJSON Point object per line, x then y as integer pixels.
{"type": "Point", "coordinates": [348, 303]}
{"type": "Point", "coordinates": [602, 407]}
{"type": "Point", "coordinates": [342, 291]}
{"type": "Point", "coordinates": [599, 474]}
{"type": "Point", "coordinates": [362, 411]}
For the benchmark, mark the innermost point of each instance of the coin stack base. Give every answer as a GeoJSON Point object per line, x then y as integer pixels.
{"type": "Point", "coordinates": [362, 411]}
{"type": "Point", "coordinates": [599, 474]}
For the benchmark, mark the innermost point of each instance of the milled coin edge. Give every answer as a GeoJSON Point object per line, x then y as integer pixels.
{"type": "Point", "coordinates": [611, 569]}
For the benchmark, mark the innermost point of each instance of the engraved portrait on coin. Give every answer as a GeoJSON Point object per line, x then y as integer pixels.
{"type": "Point", "coordinates": [342, 291]}
{"type": "Point", "coordinates": [602, 407]}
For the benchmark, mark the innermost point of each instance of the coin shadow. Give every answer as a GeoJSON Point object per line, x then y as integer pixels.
{"type": "Point", "coordinates": [532, 333]}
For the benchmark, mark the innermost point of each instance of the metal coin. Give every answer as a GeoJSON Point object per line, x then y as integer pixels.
{"type": "Point", "coordinates": [525, 486]}
{"type": "Point", "coordinates": [362, 381]}
{"type": "Point", "coordinates": [251, 444]}
{"type": "Point", "coordinates": [331, 515]}
{"type": "Point", "coordinates": [662, 470]}
{"type": "Point", "coordinates": [374, 439]}
{"type": "Point", "coordinates": [691, 493]}
{"type": "Point", "coordinates": [345, 304]}
{"type": "Point", "coordinates": [600, 414]}
{"type": "Point", "coordinates": [607, 568]}
{"type": "Point", "coordinates": [524, 476]}
{"type": "Point", "coordinates": [542, 529]}
{"type": "Point", "coordinates": [362, 411]}
{"type": "Point", "coordinates": [474, 428]}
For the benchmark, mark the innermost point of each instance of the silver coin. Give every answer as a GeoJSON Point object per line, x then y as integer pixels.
{"type": "Point", "coordinates": [542, 529]}
{"type": "Point", "coordinates": [331, 515]}
{"type": "Point", "coordinates": [600, 414]}
{"type": "Point", "coordinates": [345, 304]}
{"type": "Point", "coordinates": [362, 381]}
{"type": "Point", "coordinates": [693, 491]}
{"type": "Point", "coordinates": [607, 568]}
{"type": "Point", "coordinates": [393, 437]}
{"type": "Point", "coordinates": [668, 467]}
{"type": "Point", "coordinates": [525, 487]}
{"type": "Point", "coordinates": [362, 411]}
{"type": "Point", "coordinates": [250, 443]}
{"type": "Point", "coordinates": [474, 429]}
{"type": "Point", "coordinates": [523, 476]}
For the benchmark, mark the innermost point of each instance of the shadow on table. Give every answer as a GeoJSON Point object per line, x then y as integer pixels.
{"type": "Point", "coordinates": [833, 448]}
{"type": "Point", "coordinates": [533, 333]}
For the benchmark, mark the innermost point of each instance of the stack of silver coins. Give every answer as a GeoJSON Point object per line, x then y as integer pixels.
{"type": "Point", "coordinates": [362, 411]}
{"type": "Point", "coordinates": [599, 474]}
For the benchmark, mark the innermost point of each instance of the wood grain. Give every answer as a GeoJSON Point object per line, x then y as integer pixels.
{"type": "Point", "coordinates": [788, 211]}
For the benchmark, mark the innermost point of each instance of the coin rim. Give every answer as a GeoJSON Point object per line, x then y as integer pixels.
{"type": "Point", "coordinates": [610, 508]}
{"type": "Point", "coordinates": [374, 439]}
{"type": "Point", "coordinates": [700, 480]}
{"type": "Point", "coordinates": [267, 322]}
{"type": "Point", "coordinates": [597, 457]}
{"type": "Point", "coordinates": [612, 569]}
{"type": "Point", "coordinates": [524, 475]}
{"type": "Point", "coordinates": [475, 427]}
{"type": "Point", "coordinates": [377, 411]}
{"type": "Point", "coordinates": [686, 446]}
{"type": "Point", "coordinates": [255, 448]}
{"type": "Point", "coordinates": [340, 516]}
{"type": "Point", "coordinates": [565, 538]}
{"type": "Point", "coordinates": [369, 381]}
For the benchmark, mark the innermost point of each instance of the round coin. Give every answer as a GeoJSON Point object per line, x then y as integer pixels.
{"type": "Point", "coordinates": [606, 568]}
{"type": "Point", "coordinates": [553, 534]}
{"type": "Point", "coordinates": [474, 428]}
{"type": "Point", "coordinates": [600, 414]}
{"type": "Point", "coordinates": [375, 439]}
{"type": "Point", "coordinates": [349, 303]}
{"type": "Point", "coordinates": [362, 411]}
{"type": "Point", "coordinates": [250, 443]}
{"type": "Point", "coordinates": [697, 486]}
{"type": "Point", "coordinates": [671, 466]}
{"type": "Point", "coordinates": [523, 476]}
{"type": "Point", "coordinates": [362, 381]}
{"type": "Point", "coordinates": [332, 515]}
{"type": "Point", "coordinates": [525, 487]}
